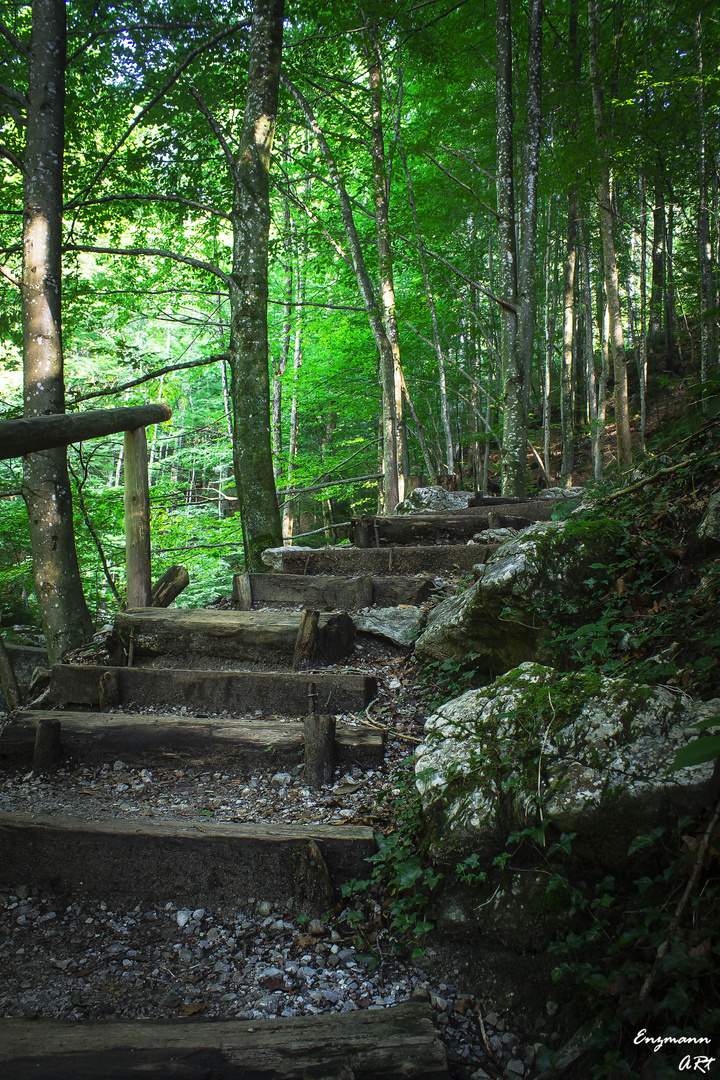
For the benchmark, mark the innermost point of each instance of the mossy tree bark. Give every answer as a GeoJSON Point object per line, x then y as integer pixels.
{"type": "Point", "coordinates": [46, 484]}
{"type": "Point", "coordinates": [250, 385]}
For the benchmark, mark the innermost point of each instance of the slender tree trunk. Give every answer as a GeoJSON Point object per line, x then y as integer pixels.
{"type": "Point", "coordinates": [707, 319]}
{"type": "Point", "coordinates": [607, 230]}
{"type": "Point", "coordinates": [568, 360]}
{"type": "Point", "coordinates": [527, 268]}
{"type": "Point", "coordinates": [657, 286]}
{"type": "Point", "coordinates": [384, 348]}
{"type": "Point", "coordinates": [280, 366]}
{"type": "Point", "coordinates": [254, 477]}
{"type": "Point", "coordinates": [385, 261]}
{"type": "Point", "coordinates": [670, 316]}
{"type": "Point", "coordinates": [514, 443]}
{"type": "Point", "coordinates": [46, 484]}
{"type": "Point", "coordinates": [642, 364]}
{"type": "Point", "coordinates": [289, 507]}
{"type": "Point", "coordinates": [551, 287]}
{"type": "Point", "coordinates": [592, 394]}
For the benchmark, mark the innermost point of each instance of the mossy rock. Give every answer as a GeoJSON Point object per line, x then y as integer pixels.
{"type": "Point", "coordinates": [553, 572]}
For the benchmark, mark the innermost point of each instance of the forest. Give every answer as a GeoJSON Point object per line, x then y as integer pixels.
{"type": "Point", "coordinates": [356, 249]}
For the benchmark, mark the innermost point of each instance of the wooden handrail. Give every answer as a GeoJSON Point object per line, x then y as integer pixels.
{"type": "Point", "coordinates": [32, 434]}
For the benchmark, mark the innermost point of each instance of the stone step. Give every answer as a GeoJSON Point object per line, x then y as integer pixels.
{"type": "Point", "coordinates": [235, 692]}
{"type": "Point", "coordinates": [448, 526]}
{"type": "Point", "coordinates": [442, 559]}
{"type": "Point", "coordinates": [95, 737]}
{"type": "Point", "coordinates": [323, 591]}
{"type": "Point", "coordinates": [386, 1044]}
{"type": "Point", "coordinates": [152, 861]}
{"type": "Point", "coordinates": [238, 636]}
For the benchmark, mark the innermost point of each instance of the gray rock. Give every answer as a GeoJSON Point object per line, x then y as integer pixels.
{"type": "Point", "coordinates": [504, 618]}
{"type": "Point", "coordinates": [592, 750]}
{"type": "Point", "coordinates": [273, 557]}
{"type": "Point", "coordinates": [433, 498]}
{"type": "Point", "coordinates": [496, 536]}
{"type": "Point", "coordinates": [709, 528]}
{"type": "Point", "coordinates": [401, 625]}
{"type": "Point", "coordinates": [561, 493]}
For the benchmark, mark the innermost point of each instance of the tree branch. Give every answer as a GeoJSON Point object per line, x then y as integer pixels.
{"type": "Point", "coordinates": [14, 95]}
{"type": "Point", "coordinates": [231, 163]}
{"type": "Point", "coordinates": [154, 100]}
{"type": "Point", "coordinates": [152, 375]}
{"type": "Point", "coordinates": [10, 277]}
{"type": "Point", "coordinates": [197, 264]}
{"type": "Point", "coordinates": [485, 206]}
{"type": "Point", "coordinates": [11, 156]}
{"type": "Point", "coordinates": [14, 41]}
{"type": "Point", "coordinates": [136, 197]}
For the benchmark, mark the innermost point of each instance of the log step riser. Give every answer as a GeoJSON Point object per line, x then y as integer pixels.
{"type": "Point", "coordinates": [153, 862]}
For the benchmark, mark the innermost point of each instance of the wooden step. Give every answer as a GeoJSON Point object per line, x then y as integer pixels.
{"type": "Point", "coordinates": [323, 591]}
{"type": "Point", "coordinates": [448, 527]}
{"type": "Point", "coordinates": [239, 636]}
{"type": "Point", "coordinates": [235, 692]}
{"type": "Point", "coordinates": [97, 737]}
{"type": "Point", "coordinates": [443, 559]}
{"type": "Point", "coordinates": [152, 861]}
{"type": "Point", "coordinates": [385, 1044]}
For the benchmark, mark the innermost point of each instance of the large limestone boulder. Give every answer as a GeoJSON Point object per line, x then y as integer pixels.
{"type": "Point", "coordinates": [584, 753]}
{"type": "Point", "coordinates": [505, 618]}
{"type": "Point", "coordinates": [433, 498]}
{"type": "Point", "coordinates": [400, 625]}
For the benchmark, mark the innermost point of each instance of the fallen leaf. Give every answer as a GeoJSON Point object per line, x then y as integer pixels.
{"type": "Point", "coordinates": [191, 1008]}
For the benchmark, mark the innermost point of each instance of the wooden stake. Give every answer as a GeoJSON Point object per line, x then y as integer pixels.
{"type": "Point", "coordinates": [47, 752]}
{"type": "Point", "coordinates": [306, 639]}
{"type": "Point", "coordinates": [137, 519]}
{"type": "Point", "coordinates": [8, 680]}
{"type": "Point", "coordinates": [319, 750]}
{"type": "Point", "coordinates": [109, 689]}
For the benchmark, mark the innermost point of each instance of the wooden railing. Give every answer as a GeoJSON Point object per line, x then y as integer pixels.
{"type": "Point", "coordinates": [27, 436]}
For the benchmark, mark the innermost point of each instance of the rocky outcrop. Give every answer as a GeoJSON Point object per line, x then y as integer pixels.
{"type": "Point", "coordinates": [583, 753]}
{"type": "Point", "coordinates": [506, 617]}
{"type": "Point", "coordinates": [433, 498]}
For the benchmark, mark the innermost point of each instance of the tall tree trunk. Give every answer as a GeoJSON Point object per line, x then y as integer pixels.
{"type": "Point", "coordinates": [385, 260]}
{"type": "Point", "coordinates": [607, 230]}
{"type": "Point", "coordinates": [514, 443]}
{"type": "Point", "coordinates": [592, 394]}
{"type": "Point", "coordinates": [252, 450]}
{"type": "Point", "coordinates": [386, 360]}
{"type": "Point", "coordinates": [288, 519]}
{"type": "Point", "coordinates": [568, 365]}
{"type": "Point", "coordinates": [642, 359]}
{"type": "Point", "coordinates": [670, 316]}
{"type": "Point", "coordinates": [280, 365]}
{"type": "Point", "coordinates": [527, 268]}
{"type": "Point", "coordinates": [46, 484]}
{"type": "Point", "coordinates": [657, 285]}
{"type": "Point", "coordinates": [551, 288]}
{"type": "Point", "coordinates": [708, 356]}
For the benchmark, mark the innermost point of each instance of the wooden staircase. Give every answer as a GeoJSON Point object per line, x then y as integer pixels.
{"type": "Point", "coordinates": [245, 680]}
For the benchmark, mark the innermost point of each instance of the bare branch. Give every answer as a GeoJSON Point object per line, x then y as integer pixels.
{"type": "Point", "coordinates": [10, 277]}
{"type": "Point", "coordinates": [152, 375]}
{"type": "Point", "coordinates": [12, 157]}
{"type": "Point", "coordinates": [475, 284]}
{"type": "Point", "coordinates": [464, 156]}
{"type": "Point", "coordinates": [486, 206]}
{"type": "Point", "coordinates": [14, 95]}
{"type": "Point", "coordinates": [232, 166]}
{"type": "Point", "coordinates": [114, 31]}
{"type": "Point", "coordinates": [136, 197]}
{"type": "Point", "coordinates": [198, 264]}
{"type": "Point", "coordinates": [24, 50]}
{"type": "Point", "coordinates": [154, 100]}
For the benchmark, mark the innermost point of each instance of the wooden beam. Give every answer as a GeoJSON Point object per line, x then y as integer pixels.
{"type": "Point", "coordinates": [32, 434]}
{"type": "Point", "coordinates": [137, 519]}
{"type": "Point", "coordinates": [384, 1044]}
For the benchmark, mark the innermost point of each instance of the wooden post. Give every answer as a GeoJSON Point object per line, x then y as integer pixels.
{"type": "Point", "coordinates": [137, 519]}
{"type": "Point", "coordinates": [319, 750]}
{"type": "Point", "coordinates": [170, 585]}
{"type": "Point", "coordinates": [8, 681]}
{"type": "Point", "coordinates": [306, 639]}
{"type": "Point", "coordinates": [46, 755]}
